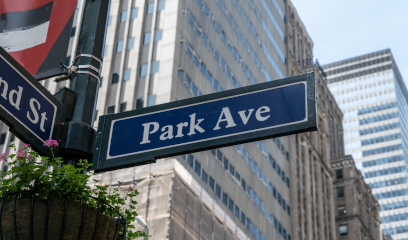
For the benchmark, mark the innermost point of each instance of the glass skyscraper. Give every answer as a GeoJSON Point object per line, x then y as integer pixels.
{"type": "Point", "coordinates": [373, 98]}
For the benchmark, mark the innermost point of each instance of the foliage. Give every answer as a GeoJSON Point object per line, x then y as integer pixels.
{"type": "Point", "coordinates": [30, 171]}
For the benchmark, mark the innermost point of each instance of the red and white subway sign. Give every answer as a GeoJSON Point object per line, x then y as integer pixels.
{"type": "Point", "coordinates": [36, 33]}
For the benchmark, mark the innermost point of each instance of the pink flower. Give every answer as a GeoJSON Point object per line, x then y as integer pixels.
{"type": "Point", "coordinates": [51, 143]}
{"type": "Point", "coordinates": [26, 146]}
{"type": "Point", "coordinates": [23, 153]}
{"type": "Point", "coordinates": [3, 156]}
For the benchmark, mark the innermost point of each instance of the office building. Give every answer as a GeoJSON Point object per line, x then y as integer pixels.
{"type": "Point", "coordinates": [373, 98]}
{"type": "Point", "coordinates": [159, 51]}
{"type": "Point", "coordinates": [312, 179]}
{"type": "Point", "coordinates": [357, 210]}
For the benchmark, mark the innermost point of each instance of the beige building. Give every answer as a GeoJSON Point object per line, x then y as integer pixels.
{"type": "Point", "coordinates": [357, 210]}
{"type": "Point", "coordinates": [312, 189]}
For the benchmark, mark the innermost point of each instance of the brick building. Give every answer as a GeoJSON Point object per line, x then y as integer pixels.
{"type": "Point", "coordinates": [357, 210]}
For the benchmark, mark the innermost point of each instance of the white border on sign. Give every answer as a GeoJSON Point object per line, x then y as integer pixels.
{"type": "Point", "coordinates": [55, 107]}
{"type": "Point", "coordinates": [207, 139]}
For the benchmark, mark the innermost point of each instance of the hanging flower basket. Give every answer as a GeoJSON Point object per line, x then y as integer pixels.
{"type": "Point", "coordinates": [39, 202]}
{"type": "Point", "coordinates": [53, 218]}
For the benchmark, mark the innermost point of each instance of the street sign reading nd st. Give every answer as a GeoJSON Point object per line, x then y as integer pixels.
{"type": "Point", "coordinates": [246, 114]}
{"type": "Point", "coordinates": [32, 113]}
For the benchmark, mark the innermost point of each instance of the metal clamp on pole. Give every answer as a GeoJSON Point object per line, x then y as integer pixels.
{"type": "Point", "coordinates": [79, 134]}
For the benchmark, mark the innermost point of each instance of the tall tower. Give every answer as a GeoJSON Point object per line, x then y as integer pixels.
{"type": "Point", "coordinates": [157, 51]}
{"type": "Point", "coordinates": [373, 98]}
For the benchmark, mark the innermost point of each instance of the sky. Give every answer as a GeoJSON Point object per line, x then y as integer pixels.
{"type": "Point", "coordinates": [342, 29]}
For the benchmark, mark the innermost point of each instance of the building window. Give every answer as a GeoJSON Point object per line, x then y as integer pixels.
{"type": "Point", "coordinates": [339, 174]}
{"type": "Point", "coordinates": [119, 46]}
{"type": "Point", "coordinates": [12, 137]}
{"type": "Point", "coordinates": [5, 168]}
{"type": "Point", "coordinates": [3, 138]}
{"type": "Point", "coordinates": [78, 5]}
{"type": "Point", "coordinates": [122, 107]}
{"type": "Point", "coordinates": [96, 115]}
{"type": "Point", "coordinates": [343, 230]}
{"type": "Point", "coordinates": [131, 43]}
{"type": "Point", "coordinates": [110, 110]}
{"type": "Point", "coordinates": [123, 16]}
{"type": "Point", "coordinates": [158, 35]}
{"type": "Point", "coordinates": [67, 61]}
{"type": "Point", "coordinates": [341, 210]}
{"type": "Point", "coordinates": [146, 38]}
{"type": "Point", "coordinates": [115, 78]}
{"type": "Point", "coordinates": [109, 20]}
{"type": "Point", "coordinates": [151, 101]}
{"type": "Point", "coordinates": [204, 176]}
{"type": "Point", "coordinates": [340, 192]}
{"type": "Point", "coordinates": [73, 30]}
{"type": "Point", "coordinates": [161, 5]}
{"type": "Point", "coordinates": [104, 50]}
{"type": "Point", "coordinates": [143, 70]}
{"type": "Point", "coordinates": [139, 103]}
{"type": "Point", "coordinates": [133, 14]}
{"type": "Point", "coordinates": [126, 74]}
{"type": "Point", "coordinates": [150, 8]}
{"type": "Point", "coordinates": [211, 182]}
{"type": "Point", "coordinates": [155, 67]}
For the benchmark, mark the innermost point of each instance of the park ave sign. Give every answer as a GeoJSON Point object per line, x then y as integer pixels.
{"type": "Point", "coordinates": [241, 115]}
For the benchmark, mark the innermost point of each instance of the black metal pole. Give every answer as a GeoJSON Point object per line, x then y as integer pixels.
{"type": "Point", "coordinates": [78, 137]}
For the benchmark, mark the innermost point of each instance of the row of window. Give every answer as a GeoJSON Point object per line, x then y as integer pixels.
{"type": "Point", "coordinates": [360, 73]}
{"type": "Point", "coordinates": [191, 53]}
{"type": "Point", "coordinates": [187, 81]}
{"type": "Point", "coordinates": [253, 31]}
{"type": "Point", "coordinates": [379, 118]}
{"type": "Point", "coordinates": [388, 182]}
{"type": "Point", "coordinates": [359, 65]}
{"type": "Point", "coordinates": [228, 166]}
{"type": "Point", "coordinates": [381, 139]}
{"type": "Point", "coordinates": [155, 66]}
{"type": "Point", "coordinates": [391, 194]}
{"type": "Point", "coordinates": [382, 150]}
{"type": "Point", "coordinates": [131, 41]}
{"type": "Point", "coordinates": [383, 172]}
{"type": "Point", "coordinates": [365, 91]}
{"type": "Point", "coordinates": [383, 161]}
{"type": "Point", "coordinates": [369, 100]}
{"type": "Point", "coordinates": [393, 205]}
{"type": "Point", "coordinates": [395, 230]}
{"type": "Point", "coordinates": [365, 80]}
{"type": "Point", "coordinates": [228, 43]}
{"type": "Point", "coordinates": [281, 148]}
{"type": "Point", "coordinates": [139, 104]}
{"type": "Point", "coordinates": [3, 138]}
{"type": "Point", "coordinates": [124, 14]}
{"type": "Point", "coordinates": [379, 129]}
{"type": "Point", "coordinates": [265, 27]}
{"type": "Point", "coordinates": [273, 162]}
{"type": "Point", "coordinates": [194, 164]}
{"type": "Point", "coordinates": [377, 108]}
{"type": "Point", "coordinates": [241, 150]}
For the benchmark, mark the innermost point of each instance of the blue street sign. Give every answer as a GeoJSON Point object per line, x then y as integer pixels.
{"type": "Point", "coordinates": [241, 115]}
{"type": "Point", "coordinates": [26, 106]}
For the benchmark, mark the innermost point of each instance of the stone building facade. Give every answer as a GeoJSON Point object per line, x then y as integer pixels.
{"type": "Point", "coordinates": [312, 188]}
{"type": "Point", "coordinates": [356, 210]}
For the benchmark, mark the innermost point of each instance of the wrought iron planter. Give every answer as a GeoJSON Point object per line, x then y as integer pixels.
{"type": "Point", "coordinates": [31, 218]}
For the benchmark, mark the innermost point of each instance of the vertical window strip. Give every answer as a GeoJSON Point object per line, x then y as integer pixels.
{"type": "Point", "coordinates": [229, 203]}
{"type": "Point", "coordinates": [228, 44]}
{"type": "Point", "coordinates": [273, 163]}
{"type": "Point", "coordinates": [241, 150]}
